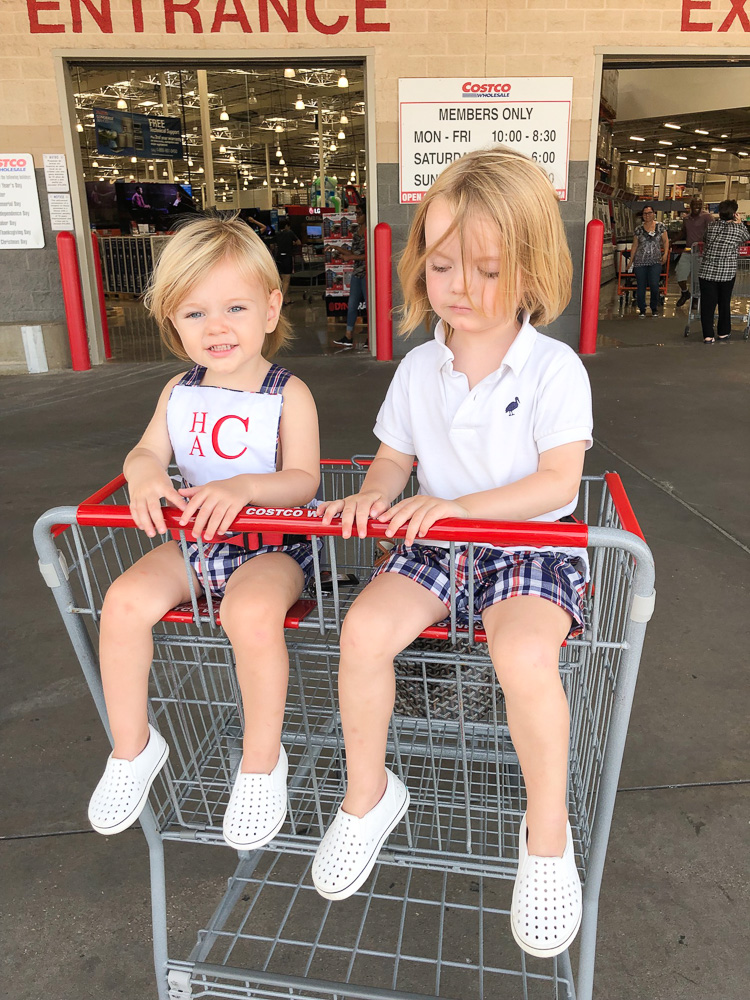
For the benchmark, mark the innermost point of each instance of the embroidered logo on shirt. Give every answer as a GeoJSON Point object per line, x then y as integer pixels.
{"type": "Point", "coordinates": [512, 407]}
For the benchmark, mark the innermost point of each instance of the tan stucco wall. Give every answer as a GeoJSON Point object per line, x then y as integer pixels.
{"type": "Point", "coordinates": [426, 38]}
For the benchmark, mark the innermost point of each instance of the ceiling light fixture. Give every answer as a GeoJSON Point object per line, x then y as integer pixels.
{"type": "Point", "coordinates": [278, 151]}
{"type": "Point", "coordinates": [637, 138]}
{"type": "Point", "coordinates": [343, 82]}
{"type": "Point", "coordinates": [224, 116]}
{"type": "Point", "coordinates": [343, 120]}
{"type": "Point", "coordinates": [122, 104]}
{"type": "Point", "coordinates": [718, 149]}
{"type": "Point", "coordinates": [278, 127]}
{"type": "Point", "coordinates": [742, 153]}
{"type": "Point", "coordinates": [702, 161]}
{"type": "Point", "coordinates": [665, 142]}
{"type": "Point", "coordinates": [265, 184]}
{"type": "Point", "coordinates": [299, 104]}
{"type": "Point", "coordinates": [79, 127]}
{"type": "Point", "coordinates": [680, 157]}
{"type": "Point", "coordinates": [341, 135]}
{"type": "Point", "coordinates": [670, 125]}
{"type": "Point", "coordinates": [94, 163]}
{"type": "Point", "coordinates": [289, 73]}
{"type": "Point", "coordinates": [701, 131]}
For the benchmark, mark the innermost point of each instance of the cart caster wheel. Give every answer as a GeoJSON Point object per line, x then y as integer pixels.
{"type": "Point", "coordinates": [687, 331]}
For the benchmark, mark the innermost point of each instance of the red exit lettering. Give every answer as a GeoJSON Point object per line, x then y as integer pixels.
{"type": "Point", "coordinates": [736, 13]}
{"type": "Point", "coordinates": [200, 17]}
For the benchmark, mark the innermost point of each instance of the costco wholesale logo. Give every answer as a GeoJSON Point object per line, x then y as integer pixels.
{"type": "Point", "coordinates": [13, 163]}
{"type": "Point", "coordinates": [485, 89]}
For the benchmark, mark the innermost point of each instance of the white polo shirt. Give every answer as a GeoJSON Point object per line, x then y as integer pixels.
{"type": "Point", "coordinates": [470, 440]}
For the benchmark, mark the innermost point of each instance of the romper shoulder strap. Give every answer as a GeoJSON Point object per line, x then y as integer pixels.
{"type": "Point", "coordinates": [194, 376]}
{"type": "Point", "coordinates": [275, 380]}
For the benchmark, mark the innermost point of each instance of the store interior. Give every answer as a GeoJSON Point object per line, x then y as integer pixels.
{"type": "Point", "coordinates": [666, 135]}
{"type": "Point", "coordinates": [157, 145]}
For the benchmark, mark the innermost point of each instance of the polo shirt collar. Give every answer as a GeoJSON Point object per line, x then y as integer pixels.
{"type": "Point", "coordinates": [515, 358]}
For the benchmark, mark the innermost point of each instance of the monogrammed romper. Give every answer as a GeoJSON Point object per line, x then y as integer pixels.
{"type": "Point", "coordinates": [220, 433]}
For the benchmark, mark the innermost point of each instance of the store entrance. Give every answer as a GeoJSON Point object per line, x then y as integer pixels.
{"type": "Point", "coordinates": [284, 144]}
{"type": "Point", "coordinates": [671, 134]}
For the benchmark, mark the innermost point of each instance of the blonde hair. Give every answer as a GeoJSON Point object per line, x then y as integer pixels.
{"type": "Point", "coordinates": [508, 191]}
{"type": "Point", "coordinates": [197, 247]}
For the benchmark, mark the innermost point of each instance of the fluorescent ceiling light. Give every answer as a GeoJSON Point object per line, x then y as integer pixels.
{"type": "Point", "coordinates": [718, 149]}
{"type": "Point", "coordinates": [637, 138]}
{"type": "Point", "coordinates": [701, 131]}
{"type": "Point", "coordinates": [680, 157]}
{"type": "Point", "coordinates": [670, 125]}
{"type": "Point", "coordinates": [664, 142]}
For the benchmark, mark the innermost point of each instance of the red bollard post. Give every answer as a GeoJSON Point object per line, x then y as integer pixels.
{"type": "Point", "coordinates": [383, 292]}
{"type": "Point", "coordinates": [592, 277]}
{"type": "Point", "coordinates": [100, 290]}
{"type": "Point", "coordinates": [73, 299]}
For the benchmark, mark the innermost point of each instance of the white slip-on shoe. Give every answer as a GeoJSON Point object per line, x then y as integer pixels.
{"type": "Point", "coordinates": [257, 807]}
{"type": "Point", "coordinates": [350, 847]}
{"type": "Point", "coordinates": [546, 911]}
{"type": "Point", "coordinates": [121, 794]}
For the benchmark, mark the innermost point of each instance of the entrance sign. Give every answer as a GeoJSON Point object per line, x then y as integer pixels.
{"type": "Point", "coordinates": [20, 215]}
{"type": "Point", "coordinates": [442, 120]}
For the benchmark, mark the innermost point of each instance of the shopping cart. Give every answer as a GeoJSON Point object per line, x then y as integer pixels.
{"type": "Point", "coordinates": [432, 921]}
{"type": "Point", "coordinates": [741, 290]}
{"type": "Point", "coordinates": [626, 283]}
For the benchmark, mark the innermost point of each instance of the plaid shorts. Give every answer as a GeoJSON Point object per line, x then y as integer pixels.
{"type": "Point", "coordinates": [498, 575]}
{"type": "Point", "coordinates": [222, 559]}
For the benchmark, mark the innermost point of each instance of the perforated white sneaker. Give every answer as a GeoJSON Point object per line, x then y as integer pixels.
{"type": "Point", "coordinates": [121, 794]}
{"type": "Point", "coordinates": [257, 807]}
{"type": "Point", "coordinates": [351, 845]}
{"type": "Point", "coordinates": [546, 910]}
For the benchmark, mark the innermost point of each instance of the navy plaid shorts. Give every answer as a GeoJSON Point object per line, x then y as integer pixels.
{"type": "Point", "coordinates": [498, 575]}
{"type": "Point", "coordinates": [222, 559]}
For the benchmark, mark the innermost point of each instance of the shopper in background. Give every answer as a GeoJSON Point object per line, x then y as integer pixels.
{"type": "Point", "coordinates": [719, 270]}
{"type": "Point", "coordinates": [693, 231]}
{"type": "Point", "coordinates": [358, 287]}
{"type": "Point", "coordinates": [285, 241]}
{"type": "Point", "coordinates": [647, 257]}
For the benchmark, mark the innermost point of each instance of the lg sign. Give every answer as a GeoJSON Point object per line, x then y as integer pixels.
{"type": "Point", "coordinates": [494, 89]}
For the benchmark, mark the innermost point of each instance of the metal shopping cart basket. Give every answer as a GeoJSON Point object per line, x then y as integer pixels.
{"type": "Point", "coordinates": [432, 921]}
{"type": "Point", "coordinates": [740, 292]}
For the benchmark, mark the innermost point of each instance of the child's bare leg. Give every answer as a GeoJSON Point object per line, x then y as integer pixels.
{"type": "Point", "coordinates": [524, 636]}
{"type": "Point", "coordinates": [134, 603]}
{"type": "Point", "coordinates": [257, 598]}
{"type": "Point", "coordinates": [388, 615]}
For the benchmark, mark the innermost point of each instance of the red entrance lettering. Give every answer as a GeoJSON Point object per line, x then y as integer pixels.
{"type": "Point", "coordinates": [103, 17]}
{"type": "Point", "coordinates": [137, 15]}
{"type": "Point", "coordinates": [239, 16]}
{"type": "Point", "coordinates": [738, 10]}
{"type": "Point", "coordinates": [172, 7]}
{"type": "Point", "coordinates": [35, 26]}
{"type": "Point", "coordinates": [362, 7]}
{"type": "Point", "coordinates": [688, 6]}
{"type": "Point", "coordinates": [215, 434]}
{"type": "Point", "coordinates": [325, 29]}
{"type": "Point", "coordinates": [197, 447]}
{"type": "Point", "coordinates": [288, 17]}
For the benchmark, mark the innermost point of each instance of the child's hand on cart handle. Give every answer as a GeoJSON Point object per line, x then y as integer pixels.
{"type": "Point", "coordinates": [146, 493]}
{"type": "Point", "coordinates": [214, 505]}
{"type": "Point", "coordinates": [421, 512]}
{"type": "Point", "coordinates": [359, 507]}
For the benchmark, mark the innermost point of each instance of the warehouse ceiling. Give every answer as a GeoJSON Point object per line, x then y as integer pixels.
{"type": "Point", "coordinates": [251, 108]}
{"type": "Point", "coordinates": [716, 141]}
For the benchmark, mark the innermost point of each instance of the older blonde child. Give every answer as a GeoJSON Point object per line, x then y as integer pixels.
{"type": "Point", "coordinates": [242, 430]}
{"type": "Point", "coordinates": [498, 417]}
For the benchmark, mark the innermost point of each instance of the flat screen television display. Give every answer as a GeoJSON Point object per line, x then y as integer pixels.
{"type": "Point", "coordinates": [314, 231]}
{"type": "Point", "coordinates": [120, 204]}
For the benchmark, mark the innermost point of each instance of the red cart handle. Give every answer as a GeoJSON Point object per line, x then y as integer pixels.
{"type": "Point", "coordinates": [303, 521]}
